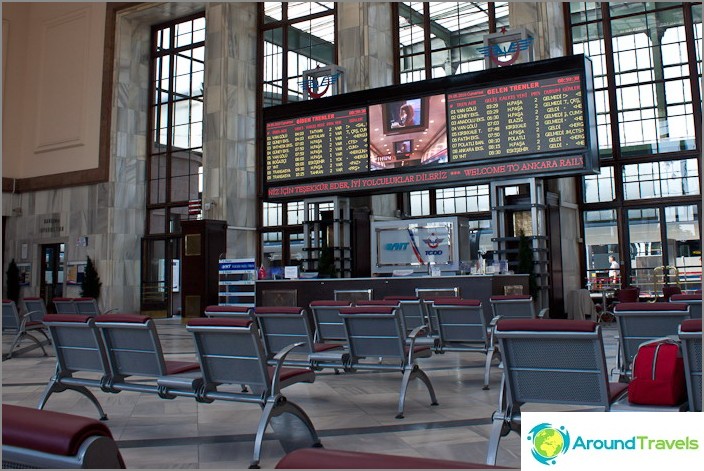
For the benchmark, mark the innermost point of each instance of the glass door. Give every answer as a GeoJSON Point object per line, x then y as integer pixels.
{"type": "Point", "coordinates": [51, 284]}
{"type": "Point", "coordinates": [161, 275]}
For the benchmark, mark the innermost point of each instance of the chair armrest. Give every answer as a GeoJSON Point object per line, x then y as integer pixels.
{"type": "Point", "coordinates": [112, 309]}
{"type": "Point", "coordinates": [412, 337]}
{"type": "Point", "coordinates": [279, 359]}
{"type": "Point", "coordinates": [543, 312]}
{"type": "Point", "coordinates": [32, 316]}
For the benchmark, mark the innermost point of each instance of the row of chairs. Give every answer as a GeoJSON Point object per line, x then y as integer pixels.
{"type": "Point", "coordinates": [558, 361]}
{"type": "Point", "coordinates": [125, 351]}
{"type": "Point", "coordinates": [22, 326]}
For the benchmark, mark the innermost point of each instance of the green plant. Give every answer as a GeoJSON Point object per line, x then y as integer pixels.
{"type": "Point", "coordinates": [326, 264]}
{"type": "Point", "coordinates": [90, 286]}
{"type": "Point", "coordinates": [13, 281]}
{"type": "Point", "coordinates": [525, 263]}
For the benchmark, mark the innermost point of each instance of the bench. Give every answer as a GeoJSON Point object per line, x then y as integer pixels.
{"type": "Point", "coordinates": [22, 326]}
{"type": "Point", "coordinates": [34, 438]}
{"type": "Point", "coordinates": [550, 361]}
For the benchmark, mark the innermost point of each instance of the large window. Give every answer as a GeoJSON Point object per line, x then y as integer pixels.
{"type": "Point", "coordinates": [647, 69]}
{"type": "Point", "coordinates": [296, 36]}
{"type": "Point", "coordinates": [175, 162]}
{"type": "Point", "coordinates": [438, 39]}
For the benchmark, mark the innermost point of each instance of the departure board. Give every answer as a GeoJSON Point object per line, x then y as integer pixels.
{"type": "Point", "coordinates": [529, 117]}
{"type": "Point", "coordinates": [315, 146]}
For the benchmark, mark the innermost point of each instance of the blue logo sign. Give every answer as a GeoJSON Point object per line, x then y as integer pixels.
{"type": "Point", "coordinates": [396, 246]}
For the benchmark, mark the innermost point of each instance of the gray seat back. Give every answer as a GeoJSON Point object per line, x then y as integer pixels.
{"type": "Point", "coordinates": [412, 311]}
{"type": "Point", "coordinates": [694, 301]}
{"type": "Point", "coordinates": [86, 306]}
{"type": "Point", "coordinates": [132, 344]}
{"type": "Point", "coordinates": [328, 323]}
{"type": "Point", "coordinates": [641, 322]}
{"type": "Point", "coordinates": [77, 344]}
{"type": "Point", "coordinates": [64, 306]}
{"type": "Point", "coordinates": [282, 326]}
{"type": "Point", "coordinates": [690, 334]}
{"type": "Point", "coordinates": [460, 321]}
{"type": "Point", "coordinates": [230, 352]}
{"type": "Point", "coordinates": [10, 315]}
{"type": "Point", "coordinates": [553, 361]}
{"type": "Point", "coordinates": [35, 305]}
{"type": "Point", "coordinates": [513, 307]}
{"type": "Point", "coordinates": [374, 331]}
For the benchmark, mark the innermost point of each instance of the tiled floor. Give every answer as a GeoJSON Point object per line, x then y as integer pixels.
{"type": "Point", "coordinates": [349, 411]}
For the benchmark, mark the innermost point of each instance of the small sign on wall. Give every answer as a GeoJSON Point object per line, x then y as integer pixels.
{"type": "Point", "coordinates": [75, 271]}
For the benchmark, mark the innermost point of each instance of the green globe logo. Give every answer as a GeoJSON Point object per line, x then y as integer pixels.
{"type": "Point", "coordinates": [548, 442]}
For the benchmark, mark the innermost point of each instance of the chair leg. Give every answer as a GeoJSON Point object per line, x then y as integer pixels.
{"type": "Point", "coordinates": [487, 366]}
{"type": "Point", "coordinates": [497, 431]}
{"type": "Point", "coordinates": [408, 375]}
{"type": "Point", "coordinates": [55, 386]}
{"type": "Point", "coordinates": [18, 339]}
{"type": "Point", "coordinates": [292, 427]}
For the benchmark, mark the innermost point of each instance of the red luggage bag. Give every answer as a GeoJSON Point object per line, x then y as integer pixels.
{"type": "Point", "coordinates": [658, 375]}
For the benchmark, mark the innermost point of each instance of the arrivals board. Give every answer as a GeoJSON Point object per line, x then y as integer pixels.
{"type": "Point", "coordinates": [317, 146]}
{"type": "Point", "coordinates": [532, 117]}
{"type": "Point", "coordinates": [527, 119]}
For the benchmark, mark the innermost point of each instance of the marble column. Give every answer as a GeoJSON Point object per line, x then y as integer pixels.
{"type": "Point", "coordinates": [546, 22]}
{"type": "Point", "coordinates": [365, 47]}
{"type": "Point", "coordinates": [229, 147]}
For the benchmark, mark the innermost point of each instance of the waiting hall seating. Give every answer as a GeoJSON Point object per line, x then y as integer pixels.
{"type": "Point", "coordinates": [412, 311]}
{"type": "Point", "coordinates": [376, 333]}
{"type": "Point", "coordinates": [283, 326]}
{"type": "Point", "coordinates": [322, 458]}
{"type": "Point", "coordinates": [551, 361]}
{"type": "Point", "coordinates": [33, 304]}
{"type": "Point", "coordinates": [463, 327]}
{"type": "Point", "coordinates": [230, 353]}
{"type": "Point", "coordinates": [514, 306]}
{"type": "Point", "coordinates": [22, 326]}
{"type": "Point", "coordinates": [237, 312]}
{"type": "Point", "coordinates": [693, 300]}
{"type": "Point", "coordinates": [640, 322]}
{"type": "Point", "coordinates": [427, 295]}
{"type": "Point", "coordinates": [134, 349]}
{"type": "Point", "coordinates": [65, 306]}
{"type": "Point", "coordinates": [690, 334]}
{"type": "Point", "coordinates": [670, 290]}
{"type": "Point", "coordinates": [79, 348]}
{"type": "Point", "coordinates": [89, 307]}
{"type": "Point", "coordinates": [328, 323]}
{"type": "Point", "coordinates": [34, 438]}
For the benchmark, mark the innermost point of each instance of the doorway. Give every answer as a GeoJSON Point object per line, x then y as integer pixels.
{"type": "Point", "coordinates": [51, 284]}
{"type": "Point", "coordinates": [161, 277]}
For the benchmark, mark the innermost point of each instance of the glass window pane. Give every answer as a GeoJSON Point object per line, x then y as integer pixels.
{"type": "Point", "coordinates": [601, 242]}
{"type": "Point", "coordinates": [684, 245]}
{"type": "Point", "coordinates": [271, 253]}
{"type": "Point", "coordinates": [645, 246]}
{"type": "Point", "coordinates": [420, 203]}
{"type": "Point", "coordinates": [271, 214]}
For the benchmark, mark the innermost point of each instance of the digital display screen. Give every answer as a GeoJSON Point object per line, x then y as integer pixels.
{"type": "Point", "coordinates": [532, 117]}
{"type": "Point", "coordinates": [317, 146]}
{"type": "Point", "coordinates": [528, 119]}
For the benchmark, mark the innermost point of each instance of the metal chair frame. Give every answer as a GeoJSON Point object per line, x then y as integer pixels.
{"type": "Point", "coordinates": [691, 340]}
{"type": "Point", "coordinates": [22, 326]}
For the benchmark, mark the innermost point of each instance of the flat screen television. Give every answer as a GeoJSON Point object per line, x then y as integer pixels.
{"type": "Point", "coordinates": [405, 116]}
{"type": "Point", "coordinates": [403, 149]}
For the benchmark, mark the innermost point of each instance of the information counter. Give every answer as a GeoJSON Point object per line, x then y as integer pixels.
{"type": "Point", "coordinates": [301, 292]}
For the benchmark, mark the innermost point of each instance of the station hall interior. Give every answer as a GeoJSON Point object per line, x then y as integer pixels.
{"type": "Point", "coordinates": [274, 154]}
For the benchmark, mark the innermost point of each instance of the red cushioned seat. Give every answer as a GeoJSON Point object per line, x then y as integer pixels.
{"type": "Point", "coordinates": [46, 431]}
{"type": "Point", "coordinates": [277, 310]}
{"type": "Point", "coordinates": [457, 302]}
{"type": "Point", "coordinates": [367, 310]}
{"type": "Point", "coordinates": [219, 322]}
{"type": "Point", "coordinates": [377, 302]}
{"type": "Point", "coordinates": [242, 309]}
{"type": "Point", "coordinates": [324, 347]}
{"type": "Point", "coordinates": [62, 299]}
{"type": "Point", "coordinates": [545, 325]}
{"type": "Point", "coordinates": [67, 318]}
{"type": "Point", "coordinates": [329, 303]}
{"type": "Point", "coordinates": [616, 389]}
{"type": "Point", "coordinates": [129, 318]}
{"type": "Point", "coordinates": [400, 298]}
{"type": "Point", "coordinates": [691, 325]}
{"type": "Point", "coordinates": [509, 297]}
{"type": "Point", "coordinates": [174, 367]}
{"type": "Point", "coordinates": [650, 307]}
{"type": "Point", "coordinates": [321, 458]}
{"type": "Point", "coordinates": [286, 374]}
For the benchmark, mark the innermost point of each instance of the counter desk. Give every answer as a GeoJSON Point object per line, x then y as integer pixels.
{"type": "Point", "coordinates": [301, 292]}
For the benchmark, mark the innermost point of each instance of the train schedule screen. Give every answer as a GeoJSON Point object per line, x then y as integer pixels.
{"type": "Point", "coordinates": [321, 145]}
{"type": "Point", "coordinates": [530, 117]}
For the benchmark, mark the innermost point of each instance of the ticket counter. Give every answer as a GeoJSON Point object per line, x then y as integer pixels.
{"type": "Point", "coordinates": [301, 292]}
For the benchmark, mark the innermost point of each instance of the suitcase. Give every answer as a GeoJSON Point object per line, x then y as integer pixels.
{"type": "Point", "coordinates": [658, 374]}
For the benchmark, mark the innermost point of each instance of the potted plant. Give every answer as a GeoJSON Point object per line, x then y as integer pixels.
{"type": "Point", "coordinates": [13, 282]}
{"type": "Point", "coordinates": [90, 286]}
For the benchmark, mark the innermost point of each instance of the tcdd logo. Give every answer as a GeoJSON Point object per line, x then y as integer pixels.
{"type": "Point", "coordinates": [548, 442]}
{"type": "Point", "coordinates": [396, 246]}
{"type": "Point", "coordinates": [433, 242]}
